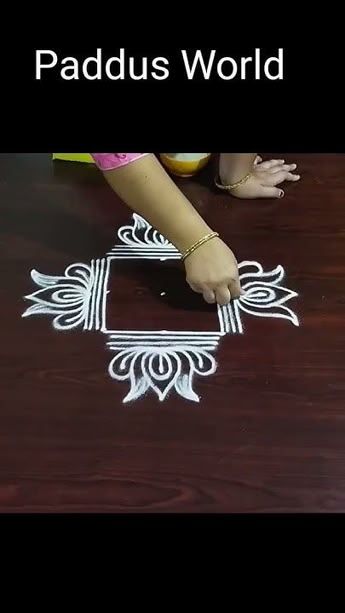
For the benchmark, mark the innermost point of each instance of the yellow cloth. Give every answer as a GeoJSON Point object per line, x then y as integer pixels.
{"type": "Point", "coordinates": [74, 157]}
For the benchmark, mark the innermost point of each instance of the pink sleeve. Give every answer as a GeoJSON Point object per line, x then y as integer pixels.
{"type": "Point", "coordinates": [110, 161]}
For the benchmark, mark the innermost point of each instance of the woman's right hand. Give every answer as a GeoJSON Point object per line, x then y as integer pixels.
{"type": "Point", "coordinates": [212, 270]}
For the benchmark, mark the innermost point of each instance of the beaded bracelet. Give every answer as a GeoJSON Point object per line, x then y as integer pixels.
{"type": "Point", "coordinates": [234, 185]}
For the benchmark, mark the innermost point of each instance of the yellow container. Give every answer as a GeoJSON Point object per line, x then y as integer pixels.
{"type": "Point", "coordinates": [184, 164]}
{"type": "Point", "coordinates": [74, 157]}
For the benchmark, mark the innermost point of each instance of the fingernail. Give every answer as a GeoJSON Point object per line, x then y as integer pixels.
{"type": "Point", "coordinates": [281, 194]}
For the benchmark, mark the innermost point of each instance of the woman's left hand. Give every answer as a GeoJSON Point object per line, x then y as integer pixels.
{"type": "Point", "coordinates": [264, 179]}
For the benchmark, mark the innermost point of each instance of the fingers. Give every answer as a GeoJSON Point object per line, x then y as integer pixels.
{"type": "Point", "coordinates": [257, 160]}
{"type": "Point", "coordinates": [286, 167]}
{"type": "Point", "coordinates": [275, 178]}
{"type": "Point", "coordinates": [235, 288]}
{"type": "Point", "coordinates": [209, 296]}
{"type": "Point", "coordinates": [220, 287]}
{"type": "Point", "coordinates": [269, 164]}
{"type": "Point", "coordinates": [208, 293]}
{"type": "Point", "coordinates": [223, 295]}
{"type": "Point", "coordinates": [270, 192]}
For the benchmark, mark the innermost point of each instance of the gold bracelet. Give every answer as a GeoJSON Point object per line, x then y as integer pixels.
{"type": "Point", "coordinates": [229, 188]}
{"type": "Point", "coordinates": [198, 244]}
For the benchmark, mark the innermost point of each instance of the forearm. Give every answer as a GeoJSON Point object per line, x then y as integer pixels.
{"type": "Point", "coordinates": [234, 166]}
{"type": "Point", "coordinates": [148, 190]}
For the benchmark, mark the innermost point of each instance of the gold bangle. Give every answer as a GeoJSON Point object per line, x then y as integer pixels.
{"type": "Point", "coordinates": [198, 244]}
{"type": "Point", "coordinates": [229, 188]}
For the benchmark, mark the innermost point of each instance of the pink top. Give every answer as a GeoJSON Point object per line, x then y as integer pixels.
{"type": "Point", "coordinates": [110, 161]}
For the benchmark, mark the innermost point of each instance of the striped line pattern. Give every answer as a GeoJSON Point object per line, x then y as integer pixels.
{"type": "Point", "coordinates": [205, 340]}
{"type": "Point", "coordinates": [149, 252]}
{"type": "Point", "coordinates": [96, 305]}
{"type": "Point", "coordinates": [230, 319]}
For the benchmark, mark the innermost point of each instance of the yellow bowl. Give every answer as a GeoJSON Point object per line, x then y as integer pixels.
{"type": "Point", "coordinates": [184, 164]}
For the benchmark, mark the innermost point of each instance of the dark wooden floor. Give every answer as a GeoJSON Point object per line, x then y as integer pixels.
{"type": "Point", "coordinates": [269, 431]}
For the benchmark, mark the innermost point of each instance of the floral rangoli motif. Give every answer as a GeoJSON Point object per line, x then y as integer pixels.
{"type": "Point", "coordinates": [156, 360]}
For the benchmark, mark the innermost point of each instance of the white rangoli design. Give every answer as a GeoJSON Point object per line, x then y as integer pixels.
{"type": "Point", "coordinates": [160, 360]}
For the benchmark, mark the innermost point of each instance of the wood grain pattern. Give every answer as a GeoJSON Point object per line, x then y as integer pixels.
{"type": "Point", "coordinates": [269, 432]}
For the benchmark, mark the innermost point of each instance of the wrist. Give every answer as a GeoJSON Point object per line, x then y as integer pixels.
{"type": "Point", "coordinates": [234, 166]}
{"type": "Point", "coordinates": [185, 238]}
{"type": "Point", "coordinates": [233, 187]}
{"type": "Point", "coordinates": [195, 246]}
